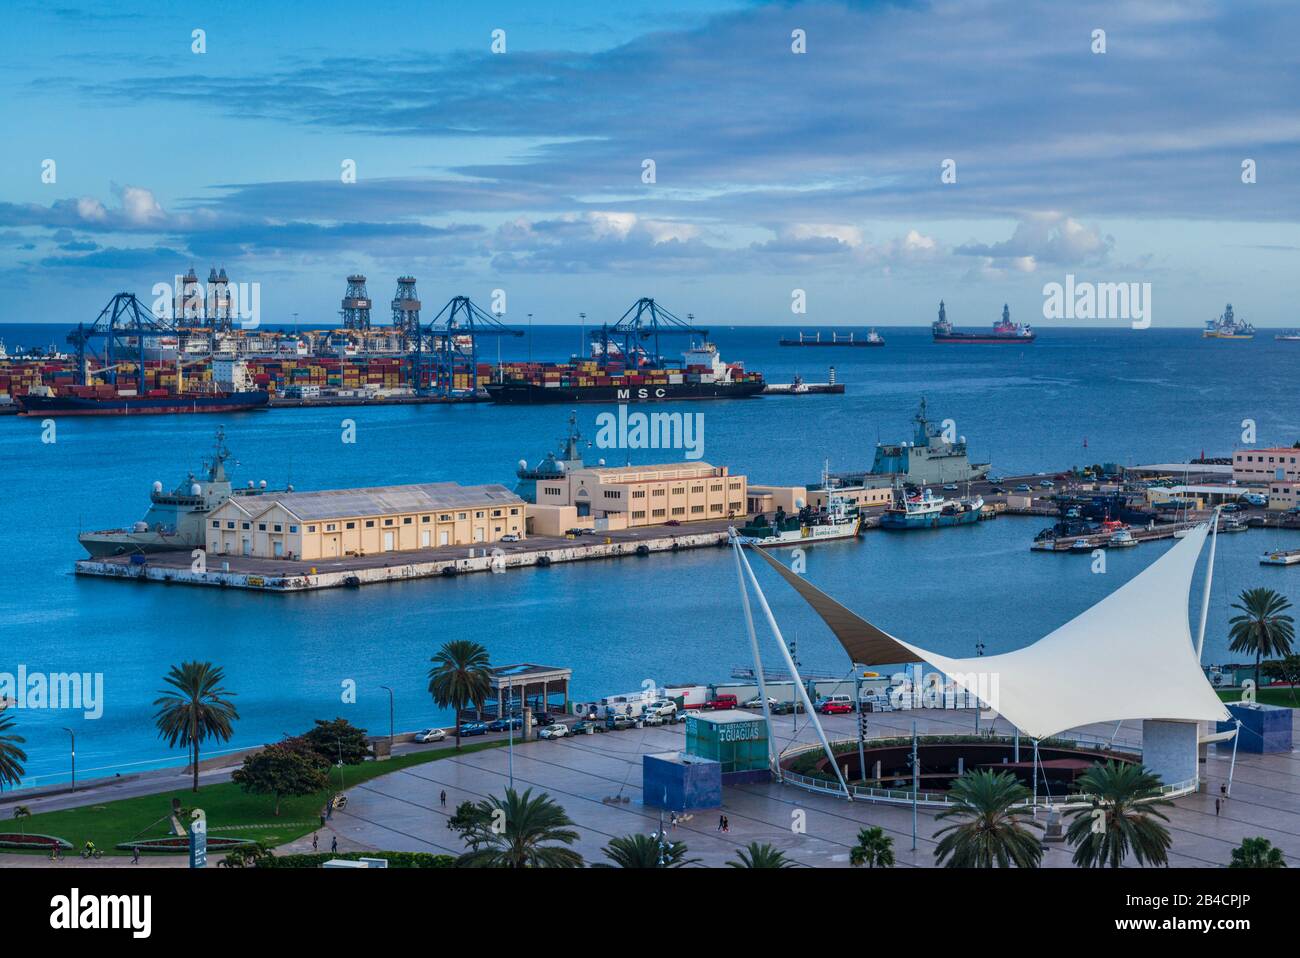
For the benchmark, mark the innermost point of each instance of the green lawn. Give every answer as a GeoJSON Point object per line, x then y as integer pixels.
{"type": "Point", "coordinates": [1265, 696]}
{"type": "Point", "coordinates": [229, 810]}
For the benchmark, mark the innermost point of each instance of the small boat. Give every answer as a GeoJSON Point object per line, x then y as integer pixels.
{"type": "Point", "coordinates": [1121, 540]}
{"type": "Point", "coordinates": [1281, 557]}
{"type": "Point", "coordinates": [839, 520]}
{"type": "Point", "coordinates": [1290, 336]}
{"type": "Point", "coordinates": [925, 510]}
{"type": "Point", "coordinates": [1081, 545]}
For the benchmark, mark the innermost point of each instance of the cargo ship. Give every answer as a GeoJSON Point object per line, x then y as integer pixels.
{"type": "Point", "coordinates": [872, 338]}
{"type": "Point", "coordinates": [101, 401]}
{"type": "Point", "coordinates": [1004, 330]}
{"type": "Point", "coordinates": [925, 510]}
{"type": "Point", "coordinates": [702, 375]}
{"type": "Point", "coordinates": [175, 519]}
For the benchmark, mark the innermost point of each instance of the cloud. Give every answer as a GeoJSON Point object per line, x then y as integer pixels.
{"type": "Point", "coordinates": [1043, 238]}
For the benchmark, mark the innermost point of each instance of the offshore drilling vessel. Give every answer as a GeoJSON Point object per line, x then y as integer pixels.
{"type": "Point", "coordinates": [1004, 331]}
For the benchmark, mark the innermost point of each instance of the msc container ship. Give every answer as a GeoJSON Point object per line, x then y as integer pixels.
{"type": "Point", "coordinates": [702, 375]}
{"type": "Point", "coordinates": [1004, 331]}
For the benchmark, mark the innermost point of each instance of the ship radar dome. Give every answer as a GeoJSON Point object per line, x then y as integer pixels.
{"type": "Point", "coordinates": [262, 484]}
{"type": "Point", "coordinates": [523, 465]}
{"type": "Point", "coordinates": [157, 486]}
{"type": "Point", "coordinates": [602, 462]}
{"type": "Point", "coordinates": [798, 503]}
{"type": "Point", "coordinates": [288, 488]}
{"type": "Point", "coordinates": [250, 483]}
{"type": "Point", "coordinates": [561, 467]}
{"type": "Point", "coordinates": [195, 489]}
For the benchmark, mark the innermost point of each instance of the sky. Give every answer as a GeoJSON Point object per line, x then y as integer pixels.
{"type": "Point", "coordinates": [794, 147]}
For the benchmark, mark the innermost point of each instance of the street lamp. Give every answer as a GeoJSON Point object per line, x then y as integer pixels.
{"type": "Point", "coordinates": [979, 651]}
{"type": "Point", "coordinates": [74, 756]}
{"type": "Point", "coordinates": [389, 690]}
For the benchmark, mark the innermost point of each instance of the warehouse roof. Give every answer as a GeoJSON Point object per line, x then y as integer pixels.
{"type": "Point", "coordinates": [389, 500]}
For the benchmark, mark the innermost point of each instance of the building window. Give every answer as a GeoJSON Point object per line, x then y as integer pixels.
{"type": "Point", "coordinates": [370, 523]}
{"type": "Point", "coordinates": [679, 511]}
{"type": "Point", "coordinates": [311, 528]}
{"type": "Point", "coordinates": [446, 517]}
{"type": "Point", "coordinates": [279, 528]}
{"type": "Point", "coordinates": [496, 513]}
{"type": "Point", "coordinates": [460, 515]}
{"type": "Point", "coordinates": [514, 512]}
{"type": "Point", "coordinates": [216, 523]}
{"type": "Point", "coordinates": [388, 522]}
{"type": "Point", "coordinates": [715, 507]}
{"type": "Point", "coordinates": [425, 518]}
{"type": "Point", "coordinates": [293, 530]}
{"type": "Point", "coordinates": [406, 520]}
{"type": "Point", "coordinates": [697, 510]}
{"type": "Point", "coordinates": [658, 492]}
{"type": "Point", "coordinates": [349, 525]}
{"type": "Point", "coordinates": [478, 515]}
{"type": "Point", "coordinates": [657, 513]}
{"type": "Point", "coordinates": [639, 515]}
{"type": "Point", "coordinates": [330, 527]}
{"type": "Point", "coordinates": [638, 494]}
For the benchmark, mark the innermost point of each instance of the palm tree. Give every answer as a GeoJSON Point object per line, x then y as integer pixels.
{"type": "Point", "coordinates": [642, 851]}
{"type": "Point", "coordinates": [514, 834]}
{"type": "Point", "coordinates": [1257, 853]}
{"type": "Point", "coordinates": [874, 849]}
{"type": "Point", "coordinates": [22, 812]}
{"type": "Point", "coordinates": [194, 709]}
{"type": "Point", "coordinates": [1263, 628]}
{"type": "Point", "coordinates": [760, 855]}
{"type": "Point", "coordinates": [991, 831]}
{"type": "Point", "coordinates": [1122, 817]}
{"type": "Point", "coordinates": [460, 678]}
{"type": "Point", "coordinates": [11, 756]}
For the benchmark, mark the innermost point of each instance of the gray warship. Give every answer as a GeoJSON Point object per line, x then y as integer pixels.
{"type": "Point", "coordinates": [929, 458]}
{"type": "Point", "coordinates": [553, 466]}
{"type": "Point", "coordinates": [175, 519]}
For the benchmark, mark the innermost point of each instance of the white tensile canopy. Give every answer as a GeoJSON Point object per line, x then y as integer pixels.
{"type": "Point", "coordinates": [1130, 656]}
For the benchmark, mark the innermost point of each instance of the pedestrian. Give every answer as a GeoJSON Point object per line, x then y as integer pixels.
{"type": "Point", "coordinates": [315, 841]}
{"type": "Point", "coordinates": [1223, 789]}
{"type": "Point", "coordinates": [334, 845]}
{"type": "Point", "coordinates": [726, 824]}
{"type": "Point", "coordinates": [443, 798]}
{"type": "Point", "coordinates": [135, 854]}
{"type": "Point", "coordinates": [722, 822]}
{"type": "Point", "coordinates": [1217, 805]}
{"type": "Point", "coordinates": [672, 819]}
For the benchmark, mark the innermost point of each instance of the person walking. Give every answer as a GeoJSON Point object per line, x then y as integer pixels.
{"type": "Point", "coordinates": [1218, 803]}
{"type": "Point", "coordinates": [334, 845]}
{"type": "Point", "coordinates": [443, 798]}
{"type": "Point", "coordinates": [722, 822]}
{"type": "Point", "coordinates": [135, 854]}
{"type": "Point", "coordinates": [315, 841]}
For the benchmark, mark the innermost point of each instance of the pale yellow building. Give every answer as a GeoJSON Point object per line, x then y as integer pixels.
{"type": "Point", "coordinates": [611, 497]}
{"type": "Point", "coordinates": [767, 499]}
{"type": "Point", "coordinates": [340, 522]}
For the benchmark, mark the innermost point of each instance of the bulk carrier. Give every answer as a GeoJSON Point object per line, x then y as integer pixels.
{"type": "Point", "coordinates": [105, 401]}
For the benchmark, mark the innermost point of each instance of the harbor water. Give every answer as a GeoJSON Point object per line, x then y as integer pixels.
{"type": "Point", "coordinates": [1133, 396]}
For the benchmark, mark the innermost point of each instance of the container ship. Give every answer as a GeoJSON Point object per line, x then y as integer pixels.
{"type": "Point", "coordinates": [1004, 330]}
{"type": "Point", "coordinates": [702, 375]}
{"type": "Point", "coordinates": [106, 401]}
{"type": "Point", "coordinates": [1227, 326]}
{"type": "Point", "coordinates": [872, 338]}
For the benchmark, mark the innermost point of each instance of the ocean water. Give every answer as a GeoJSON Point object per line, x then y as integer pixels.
{"type": "Point", "coordinates": [1132, 396]}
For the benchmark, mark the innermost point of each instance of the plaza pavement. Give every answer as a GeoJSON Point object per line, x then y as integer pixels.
{"type": "Point", "coordinates": [402, 812]}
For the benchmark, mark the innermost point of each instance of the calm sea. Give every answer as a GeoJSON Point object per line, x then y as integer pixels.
{"type": "Point", "coordinates": [1130, 396]}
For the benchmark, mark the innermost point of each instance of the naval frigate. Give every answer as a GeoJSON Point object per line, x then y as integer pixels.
{"type": "Point", "coordinates": [930, 458]}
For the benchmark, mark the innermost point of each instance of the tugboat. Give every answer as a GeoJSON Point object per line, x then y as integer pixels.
{"type": "Point", "coordinates": [925, 510]}
{"type": "Point", "coordinates": [1227, 326]}
{"type": "Point", "coordinates": [1122, 539]}
{"type": "Point", "coordinates": [1004, 331]}
{"type": "Point", "coordinates": [839, 520]}
{"type": "Point", "coordinates": [175, 519]}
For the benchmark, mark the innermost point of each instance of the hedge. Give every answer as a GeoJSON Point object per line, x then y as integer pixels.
{"type": "Point", "coordinates": [394, 859]}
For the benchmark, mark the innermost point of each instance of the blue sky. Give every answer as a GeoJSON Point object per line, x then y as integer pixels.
{"type": "Point", "coordinates": [775, 171]}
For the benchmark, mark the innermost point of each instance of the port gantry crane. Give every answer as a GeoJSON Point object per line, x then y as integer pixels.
{"type": "Point", "coordinates": [122, 319]}
{"type": "Point", "coordinates": [645, 319]}
{"type": "Point", "coordinates": [459, 320]}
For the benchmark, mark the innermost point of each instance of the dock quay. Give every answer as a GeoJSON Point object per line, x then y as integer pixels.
{"type": "Point", "coordinates": [288, 575]}
{"type": "Point", "coordinates": [1102, 540]}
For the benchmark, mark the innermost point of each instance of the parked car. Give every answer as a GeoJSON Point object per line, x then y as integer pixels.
{"type": "Point", "coordinates": [834, 705]}
{"type": "Point", "coordinates": [1024, 487]}
{"type": "Point", "coordinates": [573, 532]}
{"type": "Point", "coordinates": [501, 724]}
{"type": "Point", "coordinates": [950, 487]}
{"type": "Point", "coordinates": [430, 735]}
{"type": "Point", "coordinates": [473, 728]}
{"type": "Point", "coordinates": [757, 703]}
{"type": "Point", "coordinates": [543, 718]}
{"type": "Point", "coordinates": [654, 718]}
{"type": "Point", "coordinates": [1047, 483]}
{"type": "Point", "coordinates": [509, 537]}
{"type": "Point", "coordinates": [554, 731]}
{"type": "Point", "coordinates": [787, 708]}
{"type": "Point", "coordinates": [586, 728]}
{"type": "Point", "coordinates": [662, 707]}
{"type": "Point", "coordinates": [723, 701]}
{"type": "Point", "coordinates": [673, 522]}
{"type": "Point", "coordinates": [619, 722]}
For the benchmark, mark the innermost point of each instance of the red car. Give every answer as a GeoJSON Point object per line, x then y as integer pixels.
{"type": "Point", "coordinates": [834, 708]}
{"type": "Point", "coordinates": [725, 701]}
